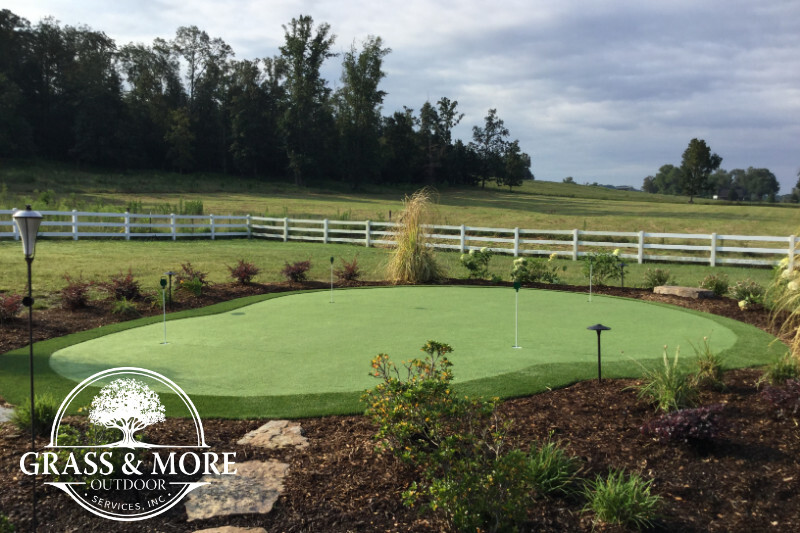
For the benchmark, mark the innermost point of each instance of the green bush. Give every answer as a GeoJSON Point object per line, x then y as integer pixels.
{"type": "Point", "coordinates": [604, 267]}
{"type": "Point", "coordinates": [718, 283]}
{"type": "Point", "coordinates": [621, 499]}
{"type": "Point", "coordinates": [45, 409]}
{"type": "Point", "coordinates": [709, 367]}
{"type": "Point", "coordinates": [536, 270]}
{"type": "Point", "coordinates": [124, 307]}
{"type": "Point", "coordinates": [781, 370]}
{"type": "Point", "coordinates": [656, 277]}
{"type": "Point", "coordinates": [477, 262]}
{"type": "Point", "coordinates": [550, 470]}
{"type": "Point", "coordinates": [193, 286]}
{"type": "Point", "coordinates": [667, 387]}
{"type": "Point", "coordinates": [748, 291]}
{"type": "Point", "coordinates": [5, 524]}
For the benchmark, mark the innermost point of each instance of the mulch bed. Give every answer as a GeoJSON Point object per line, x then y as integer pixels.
{"type": "Point", "coordinates": [749, 481]}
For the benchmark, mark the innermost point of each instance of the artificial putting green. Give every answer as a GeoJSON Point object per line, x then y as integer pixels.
{"type": "Point", "coordinates": [298, 354]}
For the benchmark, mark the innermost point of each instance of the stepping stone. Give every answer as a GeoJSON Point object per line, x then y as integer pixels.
{"type": "Point", "coordinates": [684, 292]}
{"type": "Point", "coordinates": [232, 529]}
{"type": "Point", "coordinates": [254, 489]}
{"type": "Point", "coordinates": [5, 414]}
{"type": "Point", "coordinates": [276, 434]}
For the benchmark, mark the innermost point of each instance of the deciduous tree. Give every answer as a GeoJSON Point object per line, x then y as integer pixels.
{"type": "Point", "coordinates": [696, 166]}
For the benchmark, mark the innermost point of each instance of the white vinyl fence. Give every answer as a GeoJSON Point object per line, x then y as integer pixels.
{"type": "Point", "coordinates": [712, 249]}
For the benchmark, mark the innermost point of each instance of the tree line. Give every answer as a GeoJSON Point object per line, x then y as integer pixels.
{"type": "Point", "coordinates": [71, 94]}
{"type": "Point", "coordinates": [700, 175]}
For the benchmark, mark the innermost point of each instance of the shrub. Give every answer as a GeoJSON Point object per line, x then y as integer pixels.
{"type": "Point", "coordinates": [621, 499]}
{"type": "Point", "coordinates": [296, 272]}
{"type": "Point", "coordinates": [550, 470]}
{"type": "Point", "coordinates": [193, 286]}
{"type": "Point", "coordinates": [349, 271]}
{"type": "Point", "coordinates": [709, 367]}
{"type": "Point", "coordinates": [189, 273]}
{"type": "Point", "coordinates": [45, 409]}
{"type": "Point", "coordinates": [412, 260]}
{"type": "Point", "coordinates": [696, 426]}
{"type": "Point", "coordinates": [530, 270]}
{"type": "Point", "coordinates": [604, 267]}
{"type": "Point", "coordinates": [123, 286]}
{"type": "Point", "coordinates": [667, 387]}
{"type": "Point", "coordinates": [748, 291]}
{"type": "Point", "coordinates": [124, 307]}
{"type": "Point", "coordinates": [657, 277]}
{"type": "Point", "coordinates": [5, 524]}
{"type": "Point", "coordinates": [785, 399]}
{"type": "Point", "coordinates": [784, 302]}
{"type": "Point", "coordinates": [717, 283]}
{"type": "Point", "coordinates": [477, 262]}
{"type": "Point", "coordinates": [76, 294]}
{"type": "Point", "coordinates": [781, 370]}
{"type": "Point", "coordinates": [244, 272]}
{"type": "Point", "coordinates": [10, 306]}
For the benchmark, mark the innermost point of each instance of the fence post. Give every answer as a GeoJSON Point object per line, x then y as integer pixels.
{"type": "Point", "coordinates": [14, 227]}
{"type": "Point", "coordinates": [575, 233]}
{"type": "Point", "coordinates": [249, 227]}
{"type": "Point", "coordinates": [792, 241]}
{"type": "Point", "coordinates": [463, 238]}
{"type": "Point", "coordinates": [516, 242]}
{"type": "Point", "coordinates": [713, 259]}
{"type": "Point", "coordinates": [368, 233]}
{"type": "Point", "coordinates": [127, 217]}
{"type": "Point", "coordinates": [74, 224]}
{"type": "Point", "coordinates": [285, 229]}
{"type": "Point", "coordinates": [640, 250]}
{"type": "Point", "coordinates": [325, 231]}
{"type": "Point", "coordinates": [174, 229]}
{"type": "Point", "coordinates": [213, 228]}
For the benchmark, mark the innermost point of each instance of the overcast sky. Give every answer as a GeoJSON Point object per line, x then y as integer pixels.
{"type": "Point", "coordinates": [604, 91]}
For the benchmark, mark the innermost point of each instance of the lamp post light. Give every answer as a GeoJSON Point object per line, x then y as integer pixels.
{"type": "Point", "coordinates": [170, 274]}
{"type": "Point", "coordinates": [28, 222]}
{"type": "Point", "coordinates": [622, 266]}
{"type": "Point", "coordinates": [599, 328]}
{"type": "Point", "coordinates": [331, 279]}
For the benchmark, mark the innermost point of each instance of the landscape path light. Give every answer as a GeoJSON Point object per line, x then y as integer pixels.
{"type": "Point", "coordinates": [622, 266]}
{"type": "Point", "coordinates": [599, 328]}
{"type": "Point", "coordinates": [28, 222]}
{"type": "Point", "coordinates": [170, 274]}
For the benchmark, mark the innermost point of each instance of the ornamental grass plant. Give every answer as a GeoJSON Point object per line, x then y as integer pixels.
{"type": "Point", "coordinates": [621, 499]}
{"type": "Point", "coordinates": [668, 387]}
{"type": "Point", "coordinates": [413, 261]}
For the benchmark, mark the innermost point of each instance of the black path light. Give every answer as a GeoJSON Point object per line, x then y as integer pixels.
{"type": "Point", "coordinates": [599, 328]}
{"type": "Point", "coordinates": [622, 266]}
{"type": "Point", "coordinates": [28, 222]}
{"type": "Point", "coordinates": [163, 283]}
{"type": "Point", "coordinates": [170, 274]}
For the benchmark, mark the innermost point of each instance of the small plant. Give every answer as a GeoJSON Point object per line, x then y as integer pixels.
{"type": "Point", "coordinates": [709, 367]}
{"type": "Point", "coordinates": [604, 267]}
{"type": "Point", "coordinates": [667, 387]}
{"type": "Point", "coordinates": [621, 499]}
{"type": "Point", "coordinates": [786, 399]}
{"type": "Point", "coordinates": [747, 291]}
{"type": "Point", "coordinates": [124, 307]}
{"type": "Point", "coordinates": [5, 524]}
{"type": "Point", "coordinates": [10, 306]}
{"type": "Point", "coordinates": [45, 408]}
{"type": "Point", "coordinates": [718, 283]}
{"type": "Point", "coordinates": [188, 273]}
{"type": "Point", "coordinates": [536, 270]}
{"type": "Point", "coordinates": [297, 272]}
{"type": "Point", "coordinates": [550, 469]}
{"type": "Point", "coordinates": [477, 262]}
{"type": "Point", "coordinates": [349, 272]}
{"type": "Point", "coordinates": [656, 277]}
{"type": "Point", "coordinates": [123, 286]}
{"type": "Point", "coordinates": [696, 426]}
{"type": "Point", "coordinates": [76, 294]}
{"type": "Point", "coordinates": [193, 286]}
{"type": "Point", "coordinates": [781, 370]}
{"type": "Point", "coordinates": [244, 272]}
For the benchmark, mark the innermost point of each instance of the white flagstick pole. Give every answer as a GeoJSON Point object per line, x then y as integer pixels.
{"type": "Point", "coordinates": [164, 303]}
{"type": "Point", "coordinates": [516, 315]}
{"type": "Point", "coordinates": [590, 281]}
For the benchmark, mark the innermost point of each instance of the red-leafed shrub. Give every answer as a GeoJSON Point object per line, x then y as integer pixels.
{"type": "Point", "coordinates": [349, 271]}
{"type": "Point", "coordinates": [10, 306]}
{"type": "Point", "coordinates": [190, 273]}
{"type": "Point", "coordinates": [785, 399]}
{"type": "Point", "coordinates": [244, 272]}
{"type": "Point", "coordinates": [697, 426]}
{"type": "Point", "coordinates": [123, 287]}
{"type": "Point", "coordinates": [297, 272]}
{"type": "Point", "coordinates": [76, 294]}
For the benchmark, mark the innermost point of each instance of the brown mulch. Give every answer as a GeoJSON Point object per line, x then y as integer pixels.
{"type": "Point", "coordinates": [749, 481]}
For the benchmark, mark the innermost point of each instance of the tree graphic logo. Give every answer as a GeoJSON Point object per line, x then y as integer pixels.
{"type": "Point", "coordinates": [107, 467]}
{"type": "Point", "coordinates": [127, 405]}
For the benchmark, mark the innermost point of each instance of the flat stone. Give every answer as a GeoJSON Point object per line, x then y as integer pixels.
{"type": "Point", "coordinates": [276, 434]}
{"type": "Point", "coordinates": [232, 529]}
{"type": "Point", "coordinates": [684, 292]}
{"type": "Point", "coordinates": [254, 489]}
{"type": "Point", "coordinates": [5, 414]}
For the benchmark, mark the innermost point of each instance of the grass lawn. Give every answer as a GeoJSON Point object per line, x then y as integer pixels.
{"type": "Point", "coordinates": [299, 355]}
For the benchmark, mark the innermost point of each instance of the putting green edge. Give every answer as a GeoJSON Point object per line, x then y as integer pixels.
{"type": "Point", "coordinates": [753, 347]}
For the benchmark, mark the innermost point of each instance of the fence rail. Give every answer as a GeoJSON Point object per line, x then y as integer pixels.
{"type": "Point", "coordinates": [713, 249]}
